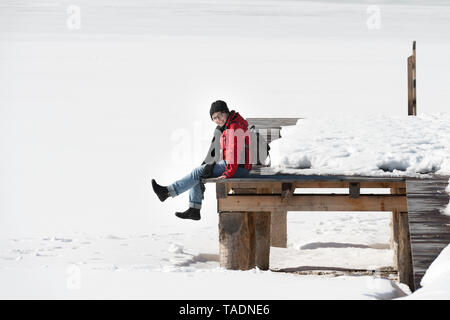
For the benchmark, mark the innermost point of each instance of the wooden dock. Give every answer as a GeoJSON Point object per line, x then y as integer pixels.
{"type": "Point", "coordinates": [253, 210]}
{"type": "Point", "coordinates": [419, 230]}
{"type": "Point", "coordinates": [429, 228]}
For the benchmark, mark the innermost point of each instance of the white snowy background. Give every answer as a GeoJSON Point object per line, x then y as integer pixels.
{"type": "Point", "coordinates": [97, 98]}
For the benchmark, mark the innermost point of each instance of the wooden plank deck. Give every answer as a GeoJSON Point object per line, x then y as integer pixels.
{"type": "Point", "coordinates": [270, 128]}
{"type": "Point", "coordinates": [275, 123]}
{"type": "Point", "coordinates": [429, 228]}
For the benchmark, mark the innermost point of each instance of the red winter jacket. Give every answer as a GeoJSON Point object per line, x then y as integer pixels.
{"type": "Point", "coordinates": [234, 143]}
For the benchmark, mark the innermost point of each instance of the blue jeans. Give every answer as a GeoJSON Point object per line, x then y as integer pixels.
{"type": "Point", "coordinates": [191, 182]}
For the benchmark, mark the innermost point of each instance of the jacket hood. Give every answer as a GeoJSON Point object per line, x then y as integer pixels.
{"type": "Point", "coordinates": [235, 117]}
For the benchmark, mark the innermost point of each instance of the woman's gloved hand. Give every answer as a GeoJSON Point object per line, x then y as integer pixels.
{"type": "Point", "coordinates": [207, 171]}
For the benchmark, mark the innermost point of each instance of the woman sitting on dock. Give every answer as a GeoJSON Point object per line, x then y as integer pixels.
{"type": "Point", "coordinates": [232, 129]}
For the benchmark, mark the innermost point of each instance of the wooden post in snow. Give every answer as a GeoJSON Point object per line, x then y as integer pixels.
{"type": "Point", "coordinates": [278, 227]}
{"type": "Point", "coordinates": [412, 96]}
{"type": "Point", "coordinates": [244, 237]}
{"type": "Point", "coordinates": [262, 225]}
{"type": "Point", "coordinates": [237, 240]}
{"type": "Point", "coordinates": [401, 243]}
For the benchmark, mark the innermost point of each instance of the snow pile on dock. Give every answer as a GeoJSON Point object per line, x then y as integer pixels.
{"type": "Point", "coordinates": [374, 145]}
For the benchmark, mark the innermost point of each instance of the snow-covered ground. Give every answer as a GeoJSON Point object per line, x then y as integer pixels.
{"type": "Point", "coordinates": [97, 98]}
{"type": "Point", "coordinates": [170, 264]}
{"type": "Point", "coordinates": [436, 281]}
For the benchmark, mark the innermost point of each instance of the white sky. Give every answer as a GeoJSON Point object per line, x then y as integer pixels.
{"type": "Point", "coordinates": [89, 116]}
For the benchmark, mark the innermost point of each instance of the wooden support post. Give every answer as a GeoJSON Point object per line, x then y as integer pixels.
{"type": "Point", "coordinates": [401, 243]}
{"type": "Point", "coordinates": [404, 256]}
{"type": "Point", "coordinates": [278, 234]}
{"type": "Point", "coordinates": [354, 190]}
{"type": "Point", "coordinates": [394, 231]}
{"type": "Point", "coordinates": [394, 236]}
{"type": "Point", "coordinates": [221, 191]}
{"type": "Point", "coordinates": [263, 221]}
{"type": "Point", "coordinates": [262, 247]}
{"type": "Point", "coordinates": [237, 240]}
{"type": "Point", "coordinates": [245, 237]}
{"type": "Point", "coordinates": [412, 92]}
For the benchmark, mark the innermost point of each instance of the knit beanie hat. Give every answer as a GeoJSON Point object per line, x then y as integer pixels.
{"type": "Point", "coordinates": [217, 106]}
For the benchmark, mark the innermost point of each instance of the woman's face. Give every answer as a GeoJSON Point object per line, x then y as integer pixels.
{"type": "Point", "coordinates": [220, 118]}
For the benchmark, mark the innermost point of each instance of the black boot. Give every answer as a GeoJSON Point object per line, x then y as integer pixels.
{"type": "Point", "coordinates": [191, 213]}
{"type": "Point", "coordinates": [161, 192]}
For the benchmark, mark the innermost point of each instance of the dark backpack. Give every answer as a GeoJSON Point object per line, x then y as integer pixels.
{"type": "Point", "coordinates": [259, 147]}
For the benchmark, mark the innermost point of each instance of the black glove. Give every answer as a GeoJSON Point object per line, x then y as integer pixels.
{"type": "Point", "coordinates": [207, 171]}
